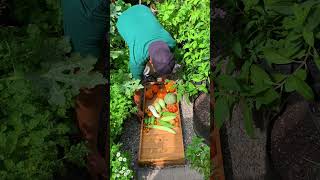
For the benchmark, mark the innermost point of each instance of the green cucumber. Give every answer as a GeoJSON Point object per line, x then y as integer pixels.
{"type": "Point", "coordinates": [162, 103]}
{"type": "Point", "coordinates": [168, 114]}
{"type": "Point", "coordinates": [152, 120]}
{"type": "Point", "coordinates": [157, 107]}
{"type": "Point", "coordinates": [163, 128]}
{"type": "Point", "coordinates": [168, 118]}
{"type": "Point", "coordinates": [166, 124]}
{"type": "Point", "coordinates": [153, 111]}
{"type": "Point", "coordinates": [146, 120]}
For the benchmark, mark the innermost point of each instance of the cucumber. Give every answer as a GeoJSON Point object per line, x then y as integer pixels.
{"type": "Point", "coordinates": [168, 118]}
{"type": "Point", "coordinates": [152, 120]}
{"type": "Point", "coordinates": [162, 103]}
{"type": "Point", "coordinates": [153, 111]}
{"type": "Point", "coordinates": [157, 107]}
{"type": "Point", "coordinates": [168, 114]}
{"type": "Point", "coordinates": [163, 128]}
{"type": "Point", "coordinates": [166, 124]}
{"type": "Point", "coordinates": [146, 120]}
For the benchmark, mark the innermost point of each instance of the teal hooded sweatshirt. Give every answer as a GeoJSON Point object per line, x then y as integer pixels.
{"type": "Point", "coordinates": [139, 28]}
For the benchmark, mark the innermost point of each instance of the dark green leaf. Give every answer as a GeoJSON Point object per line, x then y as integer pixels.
{"type": "Point", "coordinates": [259, 76]}
{"type": "Point", "coordinates": [237, 49]}
{"type": "Point", "coordinates": [272, 56]}
{"type": "Point", "coordinates": [308, 37]}
{"type": "Point", "coordinates": [267, 98]}
{"type": "Point", "coordinates": [221, 111]}
{"type": "Point", "coordinates": [247, 117]}
{"type": "Point", "coordinates": [278, 77]}
{"type": "Point", "coordinates": [228, 82]}
{"type": "Point", "coordinates": [245, 70]}
{"type": "Point", "coordinates": [301, 74]}
{"type": "Point", "coordinates": [294, 83]}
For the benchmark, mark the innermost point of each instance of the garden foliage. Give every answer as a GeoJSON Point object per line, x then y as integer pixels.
{"type": "Point", "coordinates": [189, 24]}
{"type": "Point", "coordinates": [38, 87]}
{"type": "Point", "coordinates": [269, 49]}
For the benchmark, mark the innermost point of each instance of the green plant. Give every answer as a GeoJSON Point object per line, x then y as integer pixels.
{"type": "Point", "coordinates": [189, 23]}
{"type": "Point", "coordinates": [120, 164]}
{"type": "Point", "coordinates": [269, 39]}
{"type": "Point", "coordinates": [121, 103]}
{"type": "Point", "coordinates": [38, 85]}
{"type": "Point", "coordinates": [198, 154]}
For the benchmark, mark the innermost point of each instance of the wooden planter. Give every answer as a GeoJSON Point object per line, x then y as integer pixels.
{"type": "Point", "coordinates": [160, 148]}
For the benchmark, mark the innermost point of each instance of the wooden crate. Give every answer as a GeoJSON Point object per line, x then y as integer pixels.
{"type": "Point", "coordinates": [160, 148]}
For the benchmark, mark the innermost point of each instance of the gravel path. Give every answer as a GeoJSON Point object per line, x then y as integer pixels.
{"type": "Point", "coordinates": [130, 140]}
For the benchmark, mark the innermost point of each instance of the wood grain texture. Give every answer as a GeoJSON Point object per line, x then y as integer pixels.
{"type": "Point", "coordinates": [160, 148]}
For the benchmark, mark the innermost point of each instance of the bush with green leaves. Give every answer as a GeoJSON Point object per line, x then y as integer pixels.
{"type": "Point", "coordinates": [38, 86]}
{"type": "Point", "coordinates": [198, 154]}
{"type": "Point", "coordinates": [269, 50]}
{"type": "Point", "coordinates": [189, 24]}
{"type": "Point", "coordinates": [120, 164]}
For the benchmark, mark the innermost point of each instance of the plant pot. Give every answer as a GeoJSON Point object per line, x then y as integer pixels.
{"type": "Point", "coordinates": [295, 141]}
{"type": "Point", "coordinates": [201, 116]}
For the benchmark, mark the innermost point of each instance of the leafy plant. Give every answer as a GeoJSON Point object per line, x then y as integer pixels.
{"type": "Point", "coordinates": [120, 164]}
{"type": "Point", "coordinates": [38, 83]}
{"type": "Point", "coordinates": [269, 51]}
{"type": "Point", "coordinates": [189, 23]}
{"type": "Point", "coordinates": [198, 154]}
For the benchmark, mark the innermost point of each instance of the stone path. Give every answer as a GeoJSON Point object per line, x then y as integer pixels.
{"type": "Point", "coordinates": [132, 129]}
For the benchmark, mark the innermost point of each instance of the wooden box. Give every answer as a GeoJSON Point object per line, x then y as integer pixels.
{"type": "Point", "coordinates": [160, 148]}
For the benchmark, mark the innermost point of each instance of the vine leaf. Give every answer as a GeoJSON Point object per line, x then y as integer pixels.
{"type": "Point", "coordinates": [221, 111]}
{"type": "Point", "coordinates": [294, 83]}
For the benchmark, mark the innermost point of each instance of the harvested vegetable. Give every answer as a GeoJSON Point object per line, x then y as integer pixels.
{"type": "Point", "coordinates": [152, 120]}
{"type": "Point", "coordinates": [172, 108]}
{"type": "Point", "coordinates": [161, 93]}
{"type": "Point", "coordinates": [149, 94]}
{"type": "Point", "coordinates": [168, 118]}
{"type": "Point", "coordinates": [162, 103]}
{"type": "Point", "coordinates": [157, 106]}
{"type": "Point", "coordinates": [168, 114]}
{"type": "Point", "coordinates": [155, 88]}
{"type": "Point", "coordinates": [170, 86]}
{"type": "Point", "coordinates": [166, 124]}
{"type": "Point", "coordinates": [163, 128]}
{"type": "Point", "coordinates": [170, 98]}
{"type": "Point", "coordinates": [153, 111]}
